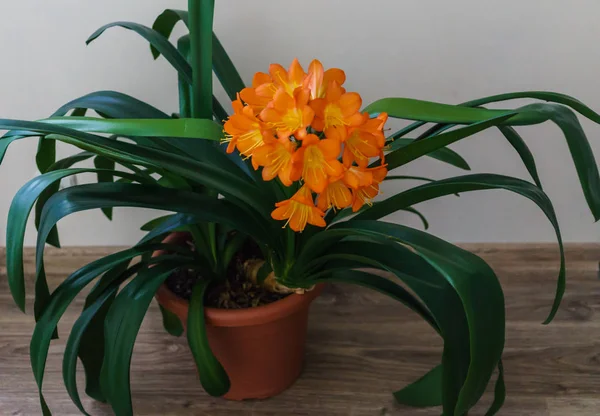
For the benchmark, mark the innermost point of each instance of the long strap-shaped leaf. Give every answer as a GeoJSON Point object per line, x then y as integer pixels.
{"type": "Point", "coordinates": [114, 104]}
{"type": "Point", "coordinates": [86, 339]}
{"type": "Point", "coordinates": [469, 183]}
{"type": "Point", "coordinates": [121, 328]}
{"type": "Point", "coordinates": [60, 300]}
{"type": "Point", "coordinates": [215, 177]}
{"type": "Point", "coordinates": [563, 117]}
{"type": "Point", "coordinates": [213, 377]}
{"type": "Point", "coordinates": [182, 127]}
{"type": "Point", "coordinates": [18, 214]}
{"type": "Point", "coordinates": [157, 40]}
{"type": "Point", "coordinates": [420, 148]}
{"type": "Point", "coordinates": [436, 292]}
{"type": "Point", "coordinates": [92, 196]}
{"type": "Point", "coordinates": [480, 293]}
{"type": "Point", "coordinates": [444, 154]}
{"type": "Point", "coordinates": [222, 64]}
{"type": "Point", "coordinates": [411, 109]}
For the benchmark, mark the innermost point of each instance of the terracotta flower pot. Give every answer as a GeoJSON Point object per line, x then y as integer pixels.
{"type": "Point", "coordinates": [261, 348]}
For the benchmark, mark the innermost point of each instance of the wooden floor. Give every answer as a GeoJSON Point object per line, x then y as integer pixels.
{"type": "Point", "coordinates": [361, 347]}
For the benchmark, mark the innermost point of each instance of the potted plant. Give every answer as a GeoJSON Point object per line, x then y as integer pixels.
{"type": "Point", "coordinates": [266, 205]}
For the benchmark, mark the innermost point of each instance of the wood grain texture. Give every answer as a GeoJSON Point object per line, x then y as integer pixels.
{"type": "Point", "coordinates": [361, 347]}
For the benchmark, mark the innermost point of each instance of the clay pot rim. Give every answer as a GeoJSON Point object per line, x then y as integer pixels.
{"type": "Point", "coordinates": [246, 316]}
{"type": "Point", "coordinates": [235, 317]}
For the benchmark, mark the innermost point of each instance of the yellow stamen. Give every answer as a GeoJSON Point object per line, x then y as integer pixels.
{"type": "Point", "coordinates": [333, 116]}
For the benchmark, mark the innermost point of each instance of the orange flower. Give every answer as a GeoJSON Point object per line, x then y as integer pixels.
{"type": "Point", "coordinates": [362, 142]}
{"type": "Point", "coordinates": [318, 161]}
{"type": "Point", "coordinates": [245, 131]}
{"type": "Point", "coordinates": [357, 177]}
{"type": "Point", "coordinates": [288, 80]}
{"type": "Point", "coordinates": [337, 109]}
{"type": "Point", "coordinates": [261, 93]}
{"type": "Point", "coordinates": [336, 195]}
{"type": "Point", "coordinates": [289, 115]}
{"type": "Point", "coordinates": [276, 158]}
{"type": "Point", "coordinates": [317, 80]}
{"type": "Point", "coordinates": [299, 210]}
{"type": "Point", "coordinates": [365, 194]}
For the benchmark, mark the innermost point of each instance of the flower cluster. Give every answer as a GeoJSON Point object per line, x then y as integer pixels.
{"type": "Point", "coordinates": [305, 127]}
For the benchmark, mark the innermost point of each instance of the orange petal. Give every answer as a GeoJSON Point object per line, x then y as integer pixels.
{"type": "Point", "coordinates": [334, 92]}
{"type": "Point", "coordinates": [316, 179]}
{"type": "Point", "coordinates": [316, 219]}
{"type": "Point", "coordinates": [350, 103]}
{"type": "Point", "coordinates": [330, 147]}
{"type": "Point", "coordinates": [280, 213]}
{"type": "Point", "coordinates": [261, 78]}
{"type": "Point", "coordinates": [356, 119]}
{"type": "Point", "coordinates": [268, 172]}
{"type": "Point", "coordinates": [296, 73]}
{"type": "Point", "coordinates": [334, 168]}
{"type": "Point", "coordinates": [278, 74]}
{"type": "Point", "coordinates": [270, 115]}
{"type": "Point", "coordinates": [339, 133]}
{"type": "Point", "coordinates": [309, 140]}
{"type": "Point", "coordinates": [334, 74]}
{"type": "Point", "coordinates": [314, 79]}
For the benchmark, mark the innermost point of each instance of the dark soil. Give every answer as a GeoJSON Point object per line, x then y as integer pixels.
{"type": "Point", "coordinates": [234, 293]}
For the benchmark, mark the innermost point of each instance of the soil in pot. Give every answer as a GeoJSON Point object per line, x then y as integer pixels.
{"type": "Point", "coordinates": [236, 292]}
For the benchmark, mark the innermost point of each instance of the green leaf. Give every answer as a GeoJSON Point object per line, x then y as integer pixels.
{"type": "Point", "coordinates": [121, 328]}
{"type": "Point", "coordinates": [422, 147]}
{"type": "Point", "coordinates": [61, 299]}
{"type": "Point", "coordinates": [222, 64]}
{"type": "Point", "coordinates": [382, 285]}
{"type": "Point", "coordinates": [425, 281]}
{"type": "Point", "coordinates": [410, 109]}
{"type": "Point", "coordinates": [161, 43]}
{"type": "Point", "coordinates": [113, 104]}
{"type": "Point", "coordinates": [225, 70]}
{"type": "Point", "coordinates": [165, 23]}
{"type": "Point", "coordinates": [553, 97]}
{"type": "Point", "coordinates": [153, 223]}
{"type": "Point", "coordinates": [18, 213]}
{"type": "Point", "coordinates": [45, 155]}
{"type": "Point", "coordinates": [181, 128]}
{"type": "Point", "coordinates": [443, 154]}
{"type": "Point", "coordinates": [481, 297]}
{"type": "Point", "coordinates": [176, 222]}
{"type": "Point", "coordinates": [517, 142]}
{"type": "Point", "coordinates": [105, 166]}
{"type": "Point", "coordinates": [499, 392]}
{"type": "Point", "coordinates": [53, 188]}
{"type": "Point", "coordinates": [209, 174]}
{"type": "Point", "coordinates": [213, 377]}
{"type": "Point", "coordinates": [581, 151]}
{"type": "Point", "coordinates": [469, 183]}
{"type": "Point", "coordinates": [171, 322]}
{"type": "Point", "coordinates": [91, 196]}
{"type": "Point", "coordinates": [425, 392]}
{"type": "Point", "coordinates": [418, 214]}
{"type": "Point", "coordinates": [86, 339]}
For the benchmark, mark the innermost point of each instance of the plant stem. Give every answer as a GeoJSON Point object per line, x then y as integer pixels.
{"type": "Point", "coordinates": [201, 22]}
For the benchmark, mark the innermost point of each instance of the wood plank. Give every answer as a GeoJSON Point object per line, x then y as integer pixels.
{"type": "Point", "coordinates": [361, 347]}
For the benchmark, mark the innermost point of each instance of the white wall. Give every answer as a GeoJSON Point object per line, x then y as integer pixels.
{"type": "Point", "coordinates": [435, 50]}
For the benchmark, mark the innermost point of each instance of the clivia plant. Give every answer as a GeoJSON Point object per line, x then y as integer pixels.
{"type": "Point", "coordinates": [273, 200]}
